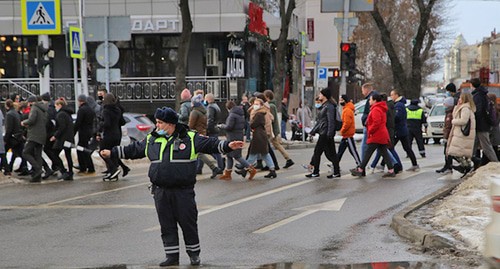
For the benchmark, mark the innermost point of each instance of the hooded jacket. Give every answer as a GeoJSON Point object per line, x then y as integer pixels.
{"type": "Point", "coordinates": [376, 124]}
{"type": "Point", "coordinates": [198, 119]}
{"type": "Point", "coordinates": [64, 130]}
{"type": "Point", "coordinates": [37, 123]}
{"type": "Point", "coordinates": [348, 125]}
{"type": "Point", "coordinates": [401, 129]}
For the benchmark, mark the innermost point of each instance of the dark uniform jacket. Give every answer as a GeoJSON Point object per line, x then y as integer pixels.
{"type": "Point", "coordinates": [174, 158]}
{"type": "Point", "coordinates": [64, 130]}
{"type": "Point", "coordinates": [415, 117]}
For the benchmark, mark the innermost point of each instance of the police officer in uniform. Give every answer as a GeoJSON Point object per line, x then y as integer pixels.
{"type": "Point", "coordinates": [173, 151]}
{"type": "Point", "coordinates": [415, 118]}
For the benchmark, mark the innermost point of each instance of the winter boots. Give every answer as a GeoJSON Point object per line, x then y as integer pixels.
{"type": "Point", "coordinates": [226, 175]}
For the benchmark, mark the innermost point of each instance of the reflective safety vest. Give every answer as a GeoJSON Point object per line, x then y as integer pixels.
{"type": "Point", "coordinates": [414, 114]}
{"type": "Point", "coordinates": [174, 145]}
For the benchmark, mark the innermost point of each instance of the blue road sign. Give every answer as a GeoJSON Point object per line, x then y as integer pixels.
{"type": "Point", "coordinates": [41, 16]}
{"type": "Point", "coordinates": [323, 73]}
{"type": "Point", "coordinates": [75, 42]}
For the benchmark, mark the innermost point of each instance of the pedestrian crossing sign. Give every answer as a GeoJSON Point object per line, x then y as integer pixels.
{"type": "Point", "coordinates": [41, 17]}
{"type": "Point", "coordinates": [75, 42]}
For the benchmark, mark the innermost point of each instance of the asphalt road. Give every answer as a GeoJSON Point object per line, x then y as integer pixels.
{"type": "Point", "coordinates": [90, 223]}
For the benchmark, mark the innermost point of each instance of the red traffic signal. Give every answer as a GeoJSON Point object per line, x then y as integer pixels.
{"type": "Point", "coordinates": [345, 47]}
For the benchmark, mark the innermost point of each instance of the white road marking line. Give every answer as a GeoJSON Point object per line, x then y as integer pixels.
{"type": "Point", "coordinates": [79, 207]}
{"type": "Point", "coordinates": [334, 205]}
{"type": "Point", "coordinates": [94, 194]}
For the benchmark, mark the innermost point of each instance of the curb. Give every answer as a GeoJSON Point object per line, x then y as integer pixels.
{"type": "Point", "coordinates": [415, 233]}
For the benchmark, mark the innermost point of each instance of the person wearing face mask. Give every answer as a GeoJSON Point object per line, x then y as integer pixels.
{"type": "Point", "coordinates": [63, 132]}
{"type": "Point", "coordinates": [325, 127]}
{"type": "Point", "coordinates": [348, 129]}
{"type": "Point", "coordinates": [173, 149]}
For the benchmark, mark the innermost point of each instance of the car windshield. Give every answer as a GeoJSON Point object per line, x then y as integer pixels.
{"type": "Point", "coordinates": [438, 111]}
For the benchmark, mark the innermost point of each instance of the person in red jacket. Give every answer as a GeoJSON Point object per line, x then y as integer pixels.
{"type": "Point", "coordinates": [348, 129]}
{"type": "Point", "coordinates": [377, 136]}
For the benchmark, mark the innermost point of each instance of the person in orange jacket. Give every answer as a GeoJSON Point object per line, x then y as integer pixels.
{"type": "Point", "coordinates": [348, 129]}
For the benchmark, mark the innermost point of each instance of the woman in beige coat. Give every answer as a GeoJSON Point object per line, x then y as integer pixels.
{"type": "Point", "coordinates": [461, 146]}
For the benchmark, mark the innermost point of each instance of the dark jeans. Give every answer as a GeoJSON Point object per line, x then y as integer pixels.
{"type": "Point", "coordinates": [33, 154]}
{"type": "Point", "coordinates": [407, 147]}
{"type": "Point", "coordinates": [325, 145]}
{"type": "Point", "coordinates": [370, 148]}
{"type": "Point", "coordinates": [53, 157]}
{"type": "Point", "coordinates": [218, 156]}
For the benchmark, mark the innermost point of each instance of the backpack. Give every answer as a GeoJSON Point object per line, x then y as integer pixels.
{"type": "Point", "coordinates": [491, 113]}
{"type": "Point", "coordinates": [338, 119]}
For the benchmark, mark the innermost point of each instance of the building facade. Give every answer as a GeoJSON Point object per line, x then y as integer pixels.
{"type": "Point", "coordinates": [225, 56]}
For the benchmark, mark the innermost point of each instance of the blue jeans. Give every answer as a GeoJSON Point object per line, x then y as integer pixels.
{"type": "Point", "coordinates": [267, 158]}
{"type": "Point", "coordinates": [248, 131]}
{"type": "Point", "coordinates": [218, 156]}
{"type": "Point", "coordinates": [392, 154]}
{"type": "Point", "coordinates": [283, 129]}
{"type": "Point", "coordinates": [363, 143]}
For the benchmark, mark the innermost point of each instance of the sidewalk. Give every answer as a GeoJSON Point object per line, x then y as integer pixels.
{"type": "Point", "coordinates": [453, 218]}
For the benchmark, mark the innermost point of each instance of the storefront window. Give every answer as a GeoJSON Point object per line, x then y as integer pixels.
{"type": "Point", "coordinates": [17, 55]}
{"type": "Point", "coordinates": [145, 56]}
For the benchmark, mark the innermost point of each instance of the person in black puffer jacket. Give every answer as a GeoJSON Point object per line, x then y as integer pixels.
{"type": "Point", "coordinates": [110, 133]}
{"type": "Point", "coordinates": [64, 130]}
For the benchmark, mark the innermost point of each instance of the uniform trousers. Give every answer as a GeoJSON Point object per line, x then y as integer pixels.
{"type": "Point", "coordinates": [177, 206]}
{"type": "Point", "coordinates": [407, 147]}
{"type": "Point", "coordinates": [417, 134]}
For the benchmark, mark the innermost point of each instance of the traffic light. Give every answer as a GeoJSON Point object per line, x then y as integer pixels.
{"type": "Point", "coordinates": [41, 63]}
{"type": "Point", "coordinates": [347, 56]}
{"type": "Point", "coordinates": [336, 73]}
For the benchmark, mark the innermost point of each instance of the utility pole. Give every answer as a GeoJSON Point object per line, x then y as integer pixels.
{"type": "Point", "coordinates": [83, 61]}
{"type": "Point", "coordinates": [44, 74]}
{"type": "Point", "coordinates": [345, 39]}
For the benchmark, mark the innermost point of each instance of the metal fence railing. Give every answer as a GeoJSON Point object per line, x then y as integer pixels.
{"type": "Point", "coordinates": [128, 89]}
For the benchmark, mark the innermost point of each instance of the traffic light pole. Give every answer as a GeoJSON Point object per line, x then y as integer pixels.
{"type": "Point", "coordinates": [345, 39]}
{"type": "Point", "coordinates": [45, 74]}
{"type": "Point", "coordinates": [83, 61]}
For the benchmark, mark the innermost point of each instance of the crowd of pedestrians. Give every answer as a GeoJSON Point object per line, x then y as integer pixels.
{"type": "Point", "coordinates": [41, 125]}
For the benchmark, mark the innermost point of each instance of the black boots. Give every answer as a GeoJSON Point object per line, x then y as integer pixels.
{"type": "Point", "coordinates": [288, 163]}
{"type": "Point", "coordinates": [272, 174]}
{"type": "Point", "coordinates": [170, 261]}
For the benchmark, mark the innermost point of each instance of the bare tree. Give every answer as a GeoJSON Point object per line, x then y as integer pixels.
{"type": "Point", "coordinates": [182, 51]}
{"type": "Point", "coordinates": [281, 48]}
{"type": "Point", "coordinates": [397, 46]}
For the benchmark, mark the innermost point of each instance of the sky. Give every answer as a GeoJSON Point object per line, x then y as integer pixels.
{"type": "Point", "coordinates": [475, 19]}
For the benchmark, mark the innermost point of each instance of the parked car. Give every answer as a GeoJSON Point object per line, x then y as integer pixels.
{"type": "Point", "coordinates": [359, 107]}
{"type": "Point", "coordinates": [435, 124]}
{"type": "Point", "coordinates": [138, 126]}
